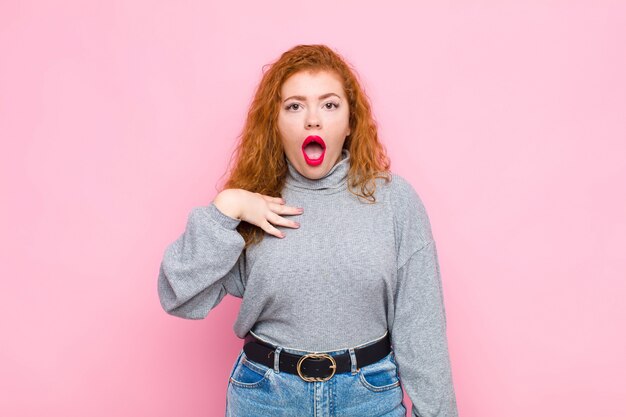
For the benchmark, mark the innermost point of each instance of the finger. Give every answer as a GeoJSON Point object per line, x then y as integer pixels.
{"type": "Point", "coordinates": [285, 210]}
{"type": "Point", "coordinates": [277, 200]}
{"type": "Point", "coordinates": [279, 221]}
{"type": "Point", "coordinates": [267, 227]}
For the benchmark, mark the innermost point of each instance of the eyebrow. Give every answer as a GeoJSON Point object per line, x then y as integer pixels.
{"type": "Point", "coordinates": [302, 98]}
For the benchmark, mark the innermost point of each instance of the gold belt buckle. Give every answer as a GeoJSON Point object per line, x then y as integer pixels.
{"type": "Point", "coordinates": [317, 355]}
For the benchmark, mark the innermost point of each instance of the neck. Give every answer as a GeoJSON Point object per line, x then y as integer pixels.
{"type": "Point", "coordinates": [334, 179]}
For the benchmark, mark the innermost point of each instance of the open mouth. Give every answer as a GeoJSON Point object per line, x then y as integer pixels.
{"type": "Point", "coordinates": [313, 150]}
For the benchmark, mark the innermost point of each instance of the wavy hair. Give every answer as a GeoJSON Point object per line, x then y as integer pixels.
{"type": "Point", "coordinates": [260, 164]}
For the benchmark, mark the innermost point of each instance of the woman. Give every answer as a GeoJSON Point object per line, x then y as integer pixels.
{"type": "Point", "coordinates": [332, 255]}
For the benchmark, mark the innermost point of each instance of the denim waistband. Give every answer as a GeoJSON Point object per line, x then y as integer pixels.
{"type": "Point", "coordinates": [331, 353]}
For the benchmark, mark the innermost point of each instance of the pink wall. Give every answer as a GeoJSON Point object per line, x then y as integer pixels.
{"type": "Point", "coordinates": [118, 117]}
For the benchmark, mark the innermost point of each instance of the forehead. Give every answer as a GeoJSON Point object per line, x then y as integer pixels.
{"type": "Point", "coordinates": [308, 82]}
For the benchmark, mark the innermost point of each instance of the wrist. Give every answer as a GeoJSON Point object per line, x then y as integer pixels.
{"type": "Point", "coordinates": [227, 201]}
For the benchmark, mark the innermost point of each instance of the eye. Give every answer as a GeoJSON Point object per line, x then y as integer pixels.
{"type": "Point", "coordinates": [331, 105]}
{"type": "Point", "coordinates": [290, 106]}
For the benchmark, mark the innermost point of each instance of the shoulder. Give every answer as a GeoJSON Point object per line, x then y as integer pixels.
{"type": "Point", "coordinates": [402, 191]}
{"type": "Point", "coordinates": [402, 197]}
{"type": "Point", "coordinates": [411, 221]}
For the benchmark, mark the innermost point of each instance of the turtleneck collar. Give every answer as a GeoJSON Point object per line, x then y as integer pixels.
{"type": "Point", "coordinates": [333, 181]}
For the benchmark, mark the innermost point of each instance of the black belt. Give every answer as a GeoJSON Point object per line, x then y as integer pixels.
{"type": "Point", "coordinates": [314, 366]}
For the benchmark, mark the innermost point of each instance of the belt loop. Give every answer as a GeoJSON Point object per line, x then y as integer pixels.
{"type": "Point", "coordinates": [276, 358]}
{"type": "Point", "coordinates": [353, 368]}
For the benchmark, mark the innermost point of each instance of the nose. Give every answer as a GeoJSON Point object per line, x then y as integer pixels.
{"type": "Point", "coordinates": [312, 121]}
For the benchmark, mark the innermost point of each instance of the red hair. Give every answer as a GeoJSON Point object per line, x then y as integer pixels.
{"type": "Point", "coordinates": [260, 164]}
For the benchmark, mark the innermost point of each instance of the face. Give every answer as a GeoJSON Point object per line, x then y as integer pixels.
{"type": "Point", "coordinates": [313, 121]}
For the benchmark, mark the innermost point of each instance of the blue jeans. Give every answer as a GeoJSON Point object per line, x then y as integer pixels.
{"type": "Point", "coordinates": [256, 390]}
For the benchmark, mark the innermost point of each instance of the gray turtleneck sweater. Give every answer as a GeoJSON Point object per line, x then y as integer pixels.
{"type": "Point", "coordinates": [351, 272]}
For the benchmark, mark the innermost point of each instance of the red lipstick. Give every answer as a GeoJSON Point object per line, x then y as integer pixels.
{"type": "Point", "coordinates": [317, 150]}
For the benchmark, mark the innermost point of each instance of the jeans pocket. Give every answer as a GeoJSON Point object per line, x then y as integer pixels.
{"type": "Point", "coordinates": [249, 374]}
{"type": "Point", "coordinates": [381, 375]}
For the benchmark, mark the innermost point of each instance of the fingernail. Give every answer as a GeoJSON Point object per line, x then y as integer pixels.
{"type": "Point", "coordinates": [297, 224]}
{"type": "Point", "coordinates": [282, 235]}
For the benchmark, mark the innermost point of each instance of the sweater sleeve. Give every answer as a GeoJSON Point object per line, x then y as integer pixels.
{"type": "Point", "coordinates": [418, 331]}
{"type": "Point", "coordinates": [204, 264]}
{"type": "Point", "coordinates": [418, 336]}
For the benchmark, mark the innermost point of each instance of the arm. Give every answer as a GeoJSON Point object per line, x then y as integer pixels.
{"type": "Point", "coordinates": [418, 329]}
{"type": "Point", "coordinates": [202, 265]}
{"type": "Point", "coordinates": [418, 336]}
